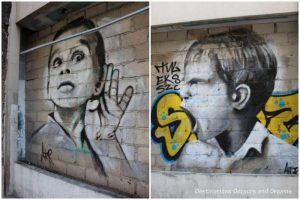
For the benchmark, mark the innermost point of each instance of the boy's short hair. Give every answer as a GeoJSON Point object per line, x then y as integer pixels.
{"type": "Point", "coordinates": [239, 56]}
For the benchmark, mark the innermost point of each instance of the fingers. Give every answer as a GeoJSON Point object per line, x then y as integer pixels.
{"type": "Point", "coordinates": [92, 105]}
{"type": "Point", "coordinates": [108, 77]}
{"type": "Point", "coordinates": [107, 133]}
{"type": "Point", "coordinates": [103, 107]}
{"type": "Point", "coordinates": [114, 85]}
{"type": "Point", "coordinates": [112, 90]}
{"type": "Point", "coordinates": [126, 98]}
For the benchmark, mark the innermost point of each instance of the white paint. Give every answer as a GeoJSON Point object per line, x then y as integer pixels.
{"type": "Point", "coordinates": [44, 184]}
{"type": "Point", "coordinates": [163, 13]}
{"type": "Point", "coordinates": [191, 185]}
{"type": "Point", "coordinates": [13, 128]}
{"type": "Point", "coordinates": [21, 121]}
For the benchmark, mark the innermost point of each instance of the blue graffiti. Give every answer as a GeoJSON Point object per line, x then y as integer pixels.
{"type": "Point", "coordinates": [174, 146]}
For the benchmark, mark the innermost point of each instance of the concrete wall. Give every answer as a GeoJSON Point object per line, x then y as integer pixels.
{"type": "Point", "coordinates": [195, 108]}
{"type": "Point", "coordinates": [176, 12]}
{"type": "Point", "coordinates": [101, 140]}
{"type": "Point", "coordinates": [11, 100]}
{"type": "Point", "coordinates": [25, 8]}
{"type": "Point", "coordinates": [50, 185]}
{"type": "Point", "coordinates": [197, 185]}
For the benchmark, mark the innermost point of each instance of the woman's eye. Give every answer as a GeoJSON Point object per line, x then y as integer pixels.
{"type": "Point", "coordinates": [57, 62]}
{"type": "Point", "coordinates": [77, 57]}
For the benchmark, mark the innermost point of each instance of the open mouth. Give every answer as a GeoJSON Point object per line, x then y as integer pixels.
{"type": "Point", "coordinates": [191, 118]}
{"type": "Point", "coordinates": [66, 87]}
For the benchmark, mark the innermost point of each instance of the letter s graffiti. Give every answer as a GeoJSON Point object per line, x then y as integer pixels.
{"type": "Point", "coordinates": [171, 125]}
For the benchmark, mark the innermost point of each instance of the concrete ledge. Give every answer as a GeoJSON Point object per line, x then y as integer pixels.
{"type": "Point", "coordinates": [33, 182]}
{"type": "Point", "coordinates": [198, 185]}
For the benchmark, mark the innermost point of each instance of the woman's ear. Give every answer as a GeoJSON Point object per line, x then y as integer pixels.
{"type": "Point", "coordinates": [241, 96]}
{"type": "Point", "coordinates": [97, 90]}
{"type": "Point", "coordinates": [102, 78]}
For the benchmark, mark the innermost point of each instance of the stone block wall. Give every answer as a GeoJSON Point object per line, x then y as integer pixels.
{"type": "Point", "coordinates": [97, 133]}
{"type": "Point", "coordinates": [207, 115]}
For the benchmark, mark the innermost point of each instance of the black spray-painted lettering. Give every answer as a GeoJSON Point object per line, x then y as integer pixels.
{"type": "Point", "coordinates": [169, 81]}
{"type": "Point", "coordinates": [290, 170]}
{"type": "Point", "coordinates": [46, 155]}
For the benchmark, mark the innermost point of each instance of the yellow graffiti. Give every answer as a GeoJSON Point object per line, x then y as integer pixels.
{"type": "Point", "coordinates": [280, 116]}
{"type": "Point", "coordinates": [172, 124]}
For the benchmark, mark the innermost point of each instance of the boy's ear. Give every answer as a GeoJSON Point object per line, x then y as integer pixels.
{"type": "Point", "coordinates": [241, 96]}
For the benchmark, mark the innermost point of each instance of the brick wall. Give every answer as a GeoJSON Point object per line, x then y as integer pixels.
{"type": "Point", "coordinates": [170, 49]}
{"type": "Point", "coordinates": [126, 47]}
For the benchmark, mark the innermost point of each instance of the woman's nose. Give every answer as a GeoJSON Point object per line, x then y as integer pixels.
{"type": "Point", "coordinates": [65, 71]}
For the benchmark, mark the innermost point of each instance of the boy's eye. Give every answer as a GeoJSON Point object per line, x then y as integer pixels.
{"type": "Point", "coordinates": [77, 56]}
{"type": "Point", "coordinates": [193, 81]}
{"type": "Point", "coordinates": [196, 81]}
{"type": "Point", "coordinates": [57, 62]}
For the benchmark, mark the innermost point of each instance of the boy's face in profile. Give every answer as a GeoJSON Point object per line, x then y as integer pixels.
{"type": "Point", "coordinates": [205, 96]}
{"type": "Point", "coordinates": [72, 70]}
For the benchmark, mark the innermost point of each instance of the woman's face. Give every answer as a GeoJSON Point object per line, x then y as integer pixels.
{"type": "Point", "coordinates": [73, 70]}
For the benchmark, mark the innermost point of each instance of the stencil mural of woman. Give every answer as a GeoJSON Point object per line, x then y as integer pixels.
{"type": "Point", "coordinates": [84, 90]}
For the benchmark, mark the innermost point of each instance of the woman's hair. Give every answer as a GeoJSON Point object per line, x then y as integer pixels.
{"type": "Point", "coordinates": [99, 50]}
{"type": "Point", "coordinates": [239, 56]}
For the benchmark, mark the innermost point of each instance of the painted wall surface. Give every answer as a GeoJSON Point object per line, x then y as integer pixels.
{"type": "Point", "coordinates": [226, 99]}
{"type": "Point", "coordinates": [163, 12]}
{"type": "Point", "coordinates": [86, 99]}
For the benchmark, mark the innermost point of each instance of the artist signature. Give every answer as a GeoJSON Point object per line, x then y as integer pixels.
{"type": "Point", "coordinates": [46, 155]}
{"type": "Point", "coordinates": [290, 170]}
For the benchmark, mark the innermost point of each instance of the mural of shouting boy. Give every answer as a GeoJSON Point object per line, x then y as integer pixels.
{"type": "Point", "coordinates": [228, 79]}
{"type": "Point", "coordinates": [84, 90]}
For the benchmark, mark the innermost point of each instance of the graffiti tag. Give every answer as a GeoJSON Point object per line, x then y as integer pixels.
{"type": "Point", "coordinates": [171, 80]}
{"type": "Point", "coordinates": [171, 125]}
{"type": "Point", "coordinates": [290, 170]}
{"type": "Point", "coordinates": [280, 116]}
{"type": "Point", "coordinates": [46, 155]}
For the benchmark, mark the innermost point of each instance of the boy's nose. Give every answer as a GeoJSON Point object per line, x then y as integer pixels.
{"type": "Point", "coordinates": [185, 92]}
